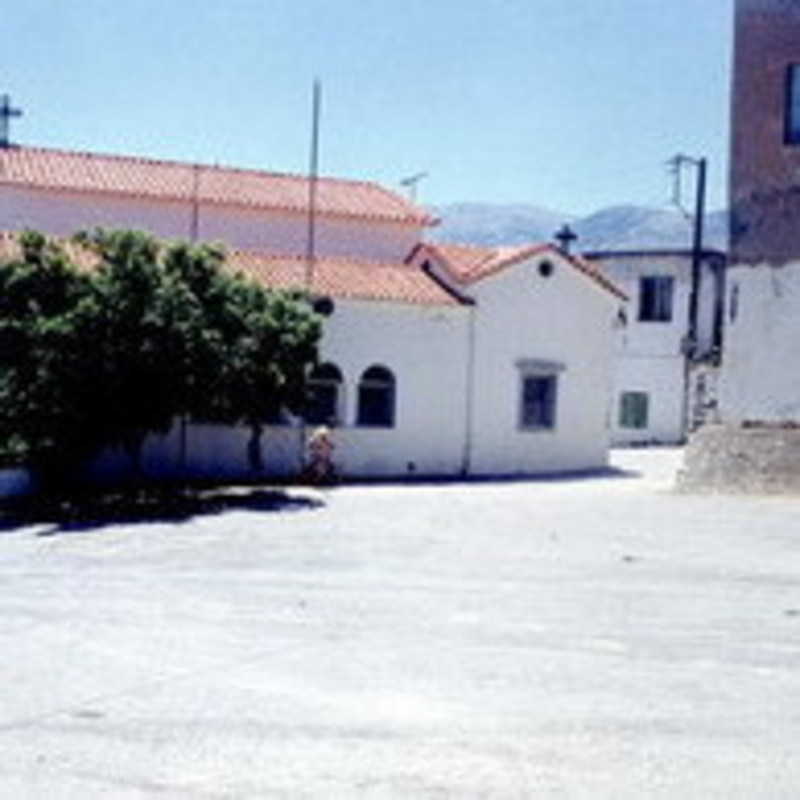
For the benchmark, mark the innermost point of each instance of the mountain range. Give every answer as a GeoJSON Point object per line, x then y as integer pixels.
{"type": "Point", "coordinates": [623, 227]}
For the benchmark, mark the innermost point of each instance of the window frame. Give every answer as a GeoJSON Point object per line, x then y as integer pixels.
{"type": "Point", "coordinates": [657, 309]}
{"type": "Point", "coordinates": [545, 371]}
{"type": "Point", "coordinates": [387, 384]}
{"type": "Point", "coordinates": [623, 420]}
{"type": "Point", "coordinates": [335, 382]}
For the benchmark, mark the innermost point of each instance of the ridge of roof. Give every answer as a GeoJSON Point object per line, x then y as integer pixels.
{"type": "Point", "coordinates": [594, 272]}
{"type": "Point", "coordinates": [470, 263]}
{"type": "Point", "coordinates": [706, 252]}
{"type": "Point", "coordinates": [396, 208]}
{"type": "Point", "coordinates": [173, 162]}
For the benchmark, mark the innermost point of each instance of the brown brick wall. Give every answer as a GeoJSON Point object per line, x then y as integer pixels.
{"type": "Point", "coordinates": [765, 172]}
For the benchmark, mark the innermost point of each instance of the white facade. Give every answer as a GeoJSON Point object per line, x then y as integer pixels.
{"type": "Point", "coordinates": [651, 401]}
{"type": "Point", "coordinates": [559, 325]}
{"type": "Point", "coordinates": [459, 375]}
{"type": "Point", "coordinates": [760, 381]}
{"type": "Point", "coordinates": [62, 213]}
{"type": "Point", "coordinates": [503, 373]}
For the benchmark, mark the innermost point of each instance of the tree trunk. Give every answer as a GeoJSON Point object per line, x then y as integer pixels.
{"type": "Point", "coordinates": [254, 456]}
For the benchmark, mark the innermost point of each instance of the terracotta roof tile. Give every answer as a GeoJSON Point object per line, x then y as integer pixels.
{"type": "Point", "coordinates": [470, 263]}
{"type": "Point", "coordinates": [345, 278]}
{"type": "Point", "coordinates": [339, 277]}
{"type": "Point", "coordinates": [127, 175]}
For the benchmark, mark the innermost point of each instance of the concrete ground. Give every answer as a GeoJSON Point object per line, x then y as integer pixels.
{"type": "Point", "coordinates": [593, 638]}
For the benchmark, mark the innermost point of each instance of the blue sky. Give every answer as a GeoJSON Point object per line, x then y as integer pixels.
{"type": "Point", "coordinates": [572, 105]}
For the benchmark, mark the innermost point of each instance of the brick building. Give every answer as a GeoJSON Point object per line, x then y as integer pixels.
{"type": "Point", "coordinates": [758, 447]}
{"type": "Point", "coordinates": [761, 373]}
{"type": "Point", "coordinates": [765, 133]}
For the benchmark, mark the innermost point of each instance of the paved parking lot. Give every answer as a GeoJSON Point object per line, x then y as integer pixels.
{"type": "Point", "coordinates": [597, 638]}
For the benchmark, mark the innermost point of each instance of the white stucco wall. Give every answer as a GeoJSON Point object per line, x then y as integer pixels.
{"type": "Point", "coordinates": [287, 233]}
{"type": "Point", "coordinates": [426, 349]}
{"type": "Point", "coordinates": [648, 356]}
{"type": "Point", "coordinates": [662, 379]}
{"type": "Point", "coordinates": [520, 315]}
{"type": "Point", "coordinates": [760, 377]}
{"type": "Point", "coordinates": [207, 451]}
{"type": "Point", "coordinates": [563, 318]}
{"type": "Point", "coordinates": [64, 213]}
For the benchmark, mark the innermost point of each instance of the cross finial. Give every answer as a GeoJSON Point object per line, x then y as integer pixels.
{"type": "Point", "coordinates": [565, 237]}
{"type": "Point", "coordinates": [6, 112]}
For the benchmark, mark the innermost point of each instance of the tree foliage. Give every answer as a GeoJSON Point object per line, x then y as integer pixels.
{"type": "Point", "coordinates": [104, 354]}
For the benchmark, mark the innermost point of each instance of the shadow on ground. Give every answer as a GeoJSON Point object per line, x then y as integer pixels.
{"type": "Point", "coordinates": [88, 511]}
{"type": "Point", "coordinates": [466, 480]}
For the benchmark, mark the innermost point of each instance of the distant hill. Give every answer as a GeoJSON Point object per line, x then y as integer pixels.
{"type": "Point", "coordinates": [614, 228]}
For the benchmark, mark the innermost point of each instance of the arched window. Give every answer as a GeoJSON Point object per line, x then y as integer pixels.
{"type": "Point", "coordinates": [376, 392]}
{"type": "Point", "coordinates": [324, 395]}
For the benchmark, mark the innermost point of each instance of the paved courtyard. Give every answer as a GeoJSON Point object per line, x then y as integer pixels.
{"type": "Point", "coordinates": [586, 638]}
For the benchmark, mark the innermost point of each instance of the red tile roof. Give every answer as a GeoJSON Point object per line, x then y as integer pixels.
{"type": "Point", "coordinates": [344, 278]}
{"type": "Point", "coordinates": [470, 263]}
{"type": "Point", "coordinates": [339, 277]}
{"type": "Point", "coordinates": [42, 168]}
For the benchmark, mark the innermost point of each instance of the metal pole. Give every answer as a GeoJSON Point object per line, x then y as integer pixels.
{"type": "Point", "coordinates": [697, 254]}
{"type": "Point", "coordinates": [194, 228]}
{"type": "Point", "coordinates": [313, 174]}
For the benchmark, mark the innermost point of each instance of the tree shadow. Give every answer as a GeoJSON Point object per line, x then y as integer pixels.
{"type": "Point", "coordinates": [574, 476]}
{"type": "Point", "coordinates": [86, 511]}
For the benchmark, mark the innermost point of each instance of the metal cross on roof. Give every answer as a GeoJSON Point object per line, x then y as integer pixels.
{"type": "Point", "coordinates": [565, 237]}
{"type": "Point", "coordinates": [6, 112]}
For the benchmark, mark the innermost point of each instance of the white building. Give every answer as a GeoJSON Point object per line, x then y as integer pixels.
{"type": "Point", "coordinates": [436, 360]}
{"type": "Point", "coordinates": [761, 374]}
{"type": "Point", "coordinates": [756, 448]}
{"type": "Point", "coordinates": [659, 391]}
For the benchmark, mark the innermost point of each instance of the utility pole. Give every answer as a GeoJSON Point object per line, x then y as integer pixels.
{"type": "Point", "coordinates": [676, 164]}
{"type": "Point", "coordinates": [313, 176]}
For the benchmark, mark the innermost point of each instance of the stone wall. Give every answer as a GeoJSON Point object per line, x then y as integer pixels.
{"type": "Point", "coordinates": [757, 459]}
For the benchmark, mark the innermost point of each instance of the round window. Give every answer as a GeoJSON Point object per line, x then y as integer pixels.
{"type": "Point", "coordinates": [546, 268]}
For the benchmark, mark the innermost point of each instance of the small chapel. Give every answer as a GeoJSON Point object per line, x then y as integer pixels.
{"type": "Point", "coordinates": [436, 360]}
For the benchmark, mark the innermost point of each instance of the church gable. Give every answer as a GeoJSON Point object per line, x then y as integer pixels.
{"type": "Point", "coordinates": [468, 265]}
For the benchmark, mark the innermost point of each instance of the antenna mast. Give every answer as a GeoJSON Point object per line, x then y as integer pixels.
{"type": "Point", "coordinates": [313, 175]}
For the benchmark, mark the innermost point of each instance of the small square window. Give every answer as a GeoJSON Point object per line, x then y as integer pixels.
{"type": "Point", "coordinates": [633, 409]}
{"type": "Point", "coordinates": [655, 298]}
{"type": "Point", "coordinates": [538, 402]}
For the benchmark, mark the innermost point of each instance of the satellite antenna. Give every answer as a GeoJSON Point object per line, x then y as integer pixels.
{"type": "Point", "coordinates": [411, 182]}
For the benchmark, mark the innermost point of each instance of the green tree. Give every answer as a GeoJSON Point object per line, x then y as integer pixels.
{"type": "Point", "coordinates": [105, 354]}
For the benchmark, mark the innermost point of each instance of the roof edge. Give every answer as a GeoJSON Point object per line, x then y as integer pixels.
{"type": "Point", "coordinates": [422, 216]}
{"type": "Point", "coordinates": [709, 252]}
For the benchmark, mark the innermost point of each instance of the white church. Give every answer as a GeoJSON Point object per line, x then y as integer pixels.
{"type": "Point", "coordinates": [437, 360]}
